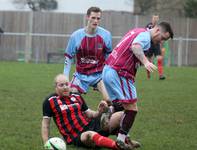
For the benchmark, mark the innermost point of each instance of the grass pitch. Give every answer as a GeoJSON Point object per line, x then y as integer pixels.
{"type": "Point", "coordinates": [166, 119]}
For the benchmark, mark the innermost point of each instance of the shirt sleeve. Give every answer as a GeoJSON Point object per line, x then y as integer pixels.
{"type": "Point", "coordinates": [70, 50]}
{"type": "Point", "coordinates": [143, 39]}
{"type": "Point", "coordinates": [67, 65]}
{"type": "Point", "coordinates": [108, 45]}
{"type": "Point", "coordinates": [47, 112]}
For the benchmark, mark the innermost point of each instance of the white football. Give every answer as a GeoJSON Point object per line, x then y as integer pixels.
{"type": "Point", "coordinates": [55, 143]}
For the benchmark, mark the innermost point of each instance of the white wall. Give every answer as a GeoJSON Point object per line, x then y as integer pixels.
{"type": "Point", "coordinates": [77, 6]}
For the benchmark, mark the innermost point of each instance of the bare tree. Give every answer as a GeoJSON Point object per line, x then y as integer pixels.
{"type": "Point", "coordinates": [190, 8]}
{"type": "Point", "coordinates": [38, 5]}
{"type": "Point", "coordinates": [20, 4]}
{"type": "Point", "coordinates": [161, 7]}
{"type": "Point", "coordinates": [144, 6]}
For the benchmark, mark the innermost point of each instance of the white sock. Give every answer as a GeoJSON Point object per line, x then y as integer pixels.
{"type": "Point", "coordinates": [121, 137]}
{"type": "Point", "coordinates": [111, 109]}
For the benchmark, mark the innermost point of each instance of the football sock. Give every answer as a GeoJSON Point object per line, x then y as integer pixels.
{"type": "Point", "coordinates": [127, 121]}
{"type": "Point", "coordinates": [102, 141]}
{"type": "Point", "coordinates": [121, 137]}
{"type": "Point", "coordinates": [160, 66]}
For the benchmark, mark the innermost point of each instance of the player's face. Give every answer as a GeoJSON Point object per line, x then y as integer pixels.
{"type": "Point", "coordinates": [160, 36]}
{"type": "Point", "coordinates": [93, 20]}
{"type": "Point", "coordinates": [62, 87]}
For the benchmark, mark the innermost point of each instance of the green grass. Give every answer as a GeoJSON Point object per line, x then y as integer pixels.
{"type": "Point", "coordinates": [166, 120]}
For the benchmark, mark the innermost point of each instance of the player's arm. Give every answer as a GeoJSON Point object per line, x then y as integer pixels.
{"type": "Point", "coordinates": [139, 53]}
{"type": "Point", "coordinates": [45, 129]}
{"type": "Point", "coordinates": [108, 44]}
{"type": "Point", "coordinates": [101, 108]}
{"type": "Point", "coordinates": [67, 65]}
{"type": "Point", "coordinates": [45, 126]}
{"type": "Point", "coordinates": [70, 52]}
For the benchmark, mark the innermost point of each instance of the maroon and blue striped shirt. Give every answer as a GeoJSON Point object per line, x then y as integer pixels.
{"type": "Point", "coordinates": [122, 58]}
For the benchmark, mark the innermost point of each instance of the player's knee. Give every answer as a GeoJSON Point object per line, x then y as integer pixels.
{"type": "Point", "coordinates": [131, 106]}
{"type": "Point", "coordinates": [86, 138]}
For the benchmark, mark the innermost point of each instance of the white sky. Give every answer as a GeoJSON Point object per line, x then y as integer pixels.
{"type": "Point", "coordinates": [78, 6]}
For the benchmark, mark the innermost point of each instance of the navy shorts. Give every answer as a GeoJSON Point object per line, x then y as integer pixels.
{"type": "Point", "coordinates": [94, 125]}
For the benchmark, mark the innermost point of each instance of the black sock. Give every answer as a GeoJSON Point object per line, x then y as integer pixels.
{"type": "Point", "coordinates": [127, 121]}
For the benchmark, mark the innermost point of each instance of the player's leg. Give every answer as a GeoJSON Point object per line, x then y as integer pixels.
{"type": "Point", "coordinates": [160, 67]}
{"type": "Point", "coordinates": [91, 138]}
{"type": "Point", "coordinates": [126, 124]}
{"type": "Point", "coordinates": [113, 127]}
{"type": "Point", "coordinates": [103, 91]}
{"type": "Point", "coordinates": [112, 124]}
{"type": "Point", "coordinates": [129, 103]}
{"type": "Point", "coordinates": [159, 58]}
{"type": "Point", "coordinates": [105, 117]}
{"type": "Point", "coordinates": [79, 83]}
{"type": "Point", "coordinates": [121, 90]}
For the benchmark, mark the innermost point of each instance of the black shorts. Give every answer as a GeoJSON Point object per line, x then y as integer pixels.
{"type": "Point", "coordinates": [94, 125]}
{"type": "Point", "coordinates": [154, 50]}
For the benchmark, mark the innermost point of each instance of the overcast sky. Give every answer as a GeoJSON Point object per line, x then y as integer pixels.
{"type": "Point", "coordinates": [78, 6]}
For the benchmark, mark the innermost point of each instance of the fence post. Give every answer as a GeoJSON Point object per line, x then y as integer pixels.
{"type": "Point", "coordinates": [180, 49]}
{"type": "Point", "coordinates": [28, 42]}
{"type": "Point", "coordinates": [187, 42]}
{"type": "Point", "coordinates": [136, 21]}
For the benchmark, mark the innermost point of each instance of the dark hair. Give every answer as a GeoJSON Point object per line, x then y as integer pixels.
{"type": "Point", "coordinates": [167, 28]}
{"type": "Point", "coordinates": [93, 9]}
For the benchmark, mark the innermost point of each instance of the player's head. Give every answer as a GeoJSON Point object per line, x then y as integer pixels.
{"type": "Point", "coordinates": [93, 17]}
{"type": "Point", "coordinates": [167, 28]}
{"type": "Point", "coordinates": [62, 85]}
{"type": "Point", "coordinates": [161, 32]}
{"type": "Point", "coordinates": [93, 9]}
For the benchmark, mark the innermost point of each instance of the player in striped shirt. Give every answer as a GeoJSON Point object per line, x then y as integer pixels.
{"type": "Point", "coordinates": [78, 124]}
{"type": "Point", "coordinates": [121, 67]}
{"type": "Point", "coordinates": [91, 45]}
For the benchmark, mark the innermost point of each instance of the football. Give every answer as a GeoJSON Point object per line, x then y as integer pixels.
{"type": "Point", "coordinates": [55, 143]}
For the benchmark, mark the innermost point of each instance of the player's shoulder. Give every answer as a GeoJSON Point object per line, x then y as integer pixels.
{"type": "Point", "coordinates": [142, 32]}
{"type": "Point", "coordinates": [103, 30]}
{"type": "Point", "coordinates": [138, 30]}
{"type": "Point", "coordinates": [78, 32]}
{"type": "Point", "coordinates": [51, 96]}
{"type": "Point", "coordinates": [48, 98]}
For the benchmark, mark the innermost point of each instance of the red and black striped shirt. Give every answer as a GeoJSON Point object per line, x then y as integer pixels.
{"type": "Point", "coordinates": [68, 114]}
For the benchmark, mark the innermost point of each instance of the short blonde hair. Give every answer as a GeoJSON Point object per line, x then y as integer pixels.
{"type": "Point", "coordinates": [60, 76]}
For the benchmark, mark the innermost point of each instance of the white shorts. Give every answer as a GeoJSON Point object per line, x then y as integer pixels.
{"type": "Point", "coordinates": [82, 81]}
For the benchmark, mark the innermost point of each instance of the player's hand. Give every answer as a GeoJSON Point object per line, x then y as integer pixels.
{"type": "Point", "coordinates": [102, 107]}
{"type": "Point", "coordinates": [150, 66]}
